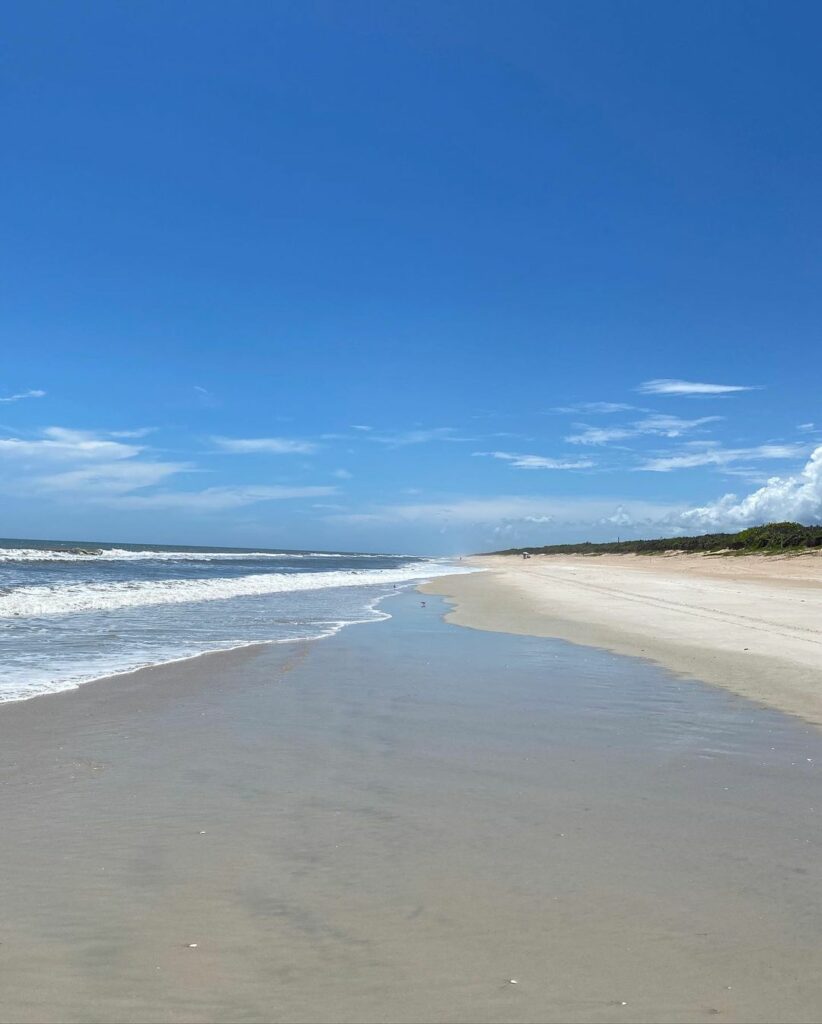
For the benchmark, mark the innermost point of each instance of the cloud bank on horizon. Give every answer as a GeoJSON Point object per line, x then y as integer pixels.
{"type": "Point", "coordinates": [130, 472]}
{"type": "Point", "coordinates": [797, 497]}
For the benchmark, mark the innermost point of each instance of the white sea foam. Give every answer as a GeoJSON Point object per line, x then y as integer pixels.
{"type": "Point", "coordinates": [70, 598]}
{"type": "Point", "coordinates": [20, 682]}
{"type": "Point", "coordinates": [24, 684]}
{"type": "Point", "coordinates": [80, 554]}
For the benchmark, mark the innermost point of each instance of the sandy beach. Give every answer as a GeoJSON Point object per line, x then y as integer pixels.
{"type": "Point", "coordinates": [752, 624]}
{"type": "Point", "coordinates": [306, 305]}
{"type": "Point", "coordinates": [408, 821]}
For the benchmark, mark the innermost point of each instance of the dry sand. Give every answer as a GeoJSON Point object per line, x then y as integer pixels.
{"type": "Point", "coordinates": [752, 623]}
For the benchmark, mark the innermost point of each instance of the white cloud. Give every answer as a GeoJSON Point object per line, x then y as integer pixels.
{"type": "Point", "coordinates": [668, 386]}
{"type": "Point", "coordinates": [417, 436]}
{"type": "Point", "coordinates": [59, 444]}
{"type": "Point", "coordinates": [599, 435]}
{"type": "Point", "coordinates": [397, 438]}
{"type": "Point", "coordinates": [514, 519]}
{"type": "Point", "coordinates": [713, 455]}
{"type": "Point", "coordinates": [80, 464]}
{"type": "Point", "coordinates": [342, 474]}
{"type": "Point", "coordinates": [796, 497]}
{"type": "Point", "coordinates": [621, 517]}
{"type": "Point", "coordinates": [750, 474]}
{"type": "Point", "coordinates": [793, 497]}
{"type": "Point", "coordinates": [807, 428]}
{"type": "Point", "coordinates": [111, 477]}
{"type": "Point", "coordinates": [266, 445]}
{"type": "Point", "coordinates": [36, 393]}
{"type": "Point", "coordinates": [537, 461]}
{"type": "Point", "coordinates": [138, 433]}
{"type": "Point", "coordinates": [218, 499]}
{"type": "Point", "coordinates": [661, 426]}
{"type": "Point", "coordinates": [672, 426]}
{"type": "Point", "coordinates": [205, 398]}
{"type": "Point", "coordinates": [595, 408]}
{"type": "Point", "coordinates": [512, 509]}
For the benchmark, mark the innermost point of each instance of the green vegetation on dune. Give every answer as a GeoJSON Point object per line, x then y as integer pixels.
{"type": "Point", "coordinates": [772, 538]}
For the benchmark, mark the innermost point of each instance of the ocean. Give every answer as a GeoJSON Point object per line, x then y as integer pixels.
{"type": "Point", "coordinates": [71, 612]}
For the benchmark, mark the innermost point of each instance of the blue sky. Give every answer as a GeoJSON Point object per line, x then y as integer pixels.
{"type": "Point", "coordinates": [417, 277]}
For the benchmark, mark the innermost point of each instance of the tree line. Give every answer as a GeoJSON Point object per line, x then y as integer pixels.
{"type": "Point", "coordinates": [771, 538]}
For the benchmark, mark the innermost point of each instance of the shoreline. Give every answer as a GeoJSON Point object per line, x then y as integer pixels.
{"type": "Point", "coordinates": [135, 618]}
{"type": "Point", "coordinates": [751, 624]}
{"type": "Point", "coordinates": [73, 685]}
{"type": "Point", "coordinates": [394, 824]}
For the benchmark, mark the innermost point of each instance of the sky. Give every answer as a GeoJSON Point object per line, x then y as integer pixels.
{"type": "Point", "coordinates": [415, 277]}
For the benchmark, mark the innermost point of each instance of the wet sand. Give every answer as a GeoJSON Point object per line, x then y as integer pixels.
{"type": "Point", "coordinates": [751, 623]}
{"type": "Point", "coordinates": [396, 823]}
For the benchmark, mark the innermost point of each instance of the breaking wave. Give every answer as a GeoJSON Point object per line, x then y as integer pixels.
{"type": "Point", "coordinates": [80, 554]}
{"type": "Point", "coordinates": [70, 598]}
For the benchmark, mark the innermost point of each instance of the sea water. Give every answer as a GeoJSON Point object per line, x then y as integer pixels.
{"type": "Point", "coordinates": [71, 612]}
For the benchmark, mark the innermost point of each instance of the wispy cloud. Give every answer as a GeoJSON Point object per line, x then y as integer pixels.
{"type": "Point", "coordinates": [714, 455]}
{"type": "Point", "coordinates": [505, 509]}
{"type": "Point", "coordinates": [599, 435]}
{"type": "Point", "coordinates": [218, 499]}
{"type": "Point", "coordinates": [417, 436]}
{"type": "Point", "coordinates": [264, 445]}
{"type": "Point", "coordinates": [106, 478]}
{"type": "Point", "coordinates": [58, 444]}
{"type": "Point", "coordinates": [138, 433]}
{"type": "Point", "coordinates": [397, 438]}
{"type": "Point", "coordinates": [204, 397]}
{"type": "Point", "coordinates": [669, 386]}
{"type": "Point", "coordinates": [83, 466]}
{"type": "Point", "coordinates": [595, 408]}
{"type": "Point", "coordinates": [80, 463]}
{"type": "Point", "coordinates": [537, 461]}
{"type": "Point", "coordinates": [507, 518]}
{"type": "Point", "coordinates": [23, 394]}
{"type": "Point", "coordinates": [661, 426]}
